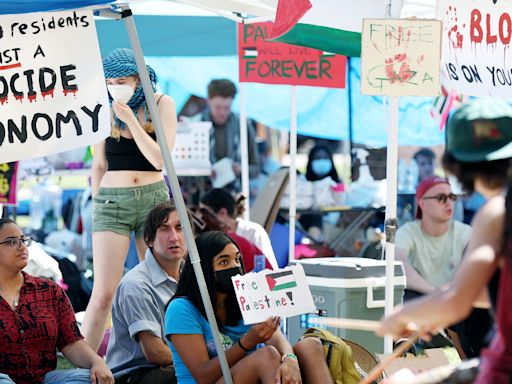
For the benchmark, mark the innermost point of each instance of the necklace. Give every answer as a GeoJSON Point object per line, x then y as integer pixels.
{"type": "Point", "coordinates": [14, 300]}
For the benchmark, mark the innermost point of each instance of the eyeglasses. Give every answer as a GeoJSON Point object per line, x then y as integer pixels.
{"type": "Point", "coordinates": [443, 197]}
{"type": "Point", "coordinates": [15, 242]}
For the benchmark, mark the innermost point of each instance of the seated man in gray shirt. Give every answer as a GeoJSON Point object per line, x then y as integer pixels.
{"type": "Point", "coordinates": [137, 351]}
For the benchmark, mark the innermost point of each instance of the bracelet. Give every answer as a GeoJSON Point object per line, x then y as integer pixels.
{"type": "Point", "coordinates": [243, 348]}
{"type": "Point", "coordinates": [290, 355]}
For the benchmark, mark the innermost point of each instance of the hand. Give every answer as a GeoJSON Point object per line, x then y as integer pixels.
{"type": "Point", "coordinates": [237, 168]}
{"type": "Point", "coordinates": [100, 373]}
{"type": "Point", "coordinates": [398, 326]}
{"type": "Point", "coordinates": [261, 332]}
{"type": "Point", "coordinates": [123, 112]}
{"type": "Point", "coordinates": [288, 372]}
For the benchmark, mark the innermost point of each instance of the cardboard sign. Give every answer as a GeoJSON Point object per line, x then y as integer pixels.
{"type": "Point", "coordinates": [476, 46]}
{"type": "Point", "coordinates": [8, 183]}
{"type": "Point", "coordinates": [191, 153]}
{"type": "Point", "coordinates": [400, 57]}
{"type": "Point", "coordinates": [52, 89]}
{"type": "Point", "coordinates": [433, 358]}
{"type": "Point", "coordinates": [262, 61]}
{"type": "Point", "coordinates": [282, 292]}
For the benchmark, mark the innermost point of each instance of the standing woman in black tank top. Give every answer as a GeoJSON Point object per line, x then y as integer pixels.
{"type": "Point", "coordinates": [127, 181]}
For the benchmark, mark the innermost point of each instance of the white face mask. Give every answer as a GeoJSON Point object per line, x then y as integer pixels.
{"type": "Point", "coordinates": [120, 92]}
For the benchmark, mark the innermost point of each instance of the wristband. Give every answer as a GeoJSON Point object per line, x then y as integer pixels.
{"type": "Point", "coordinates": [290, 355]}
{"type": "Point", "coordinates": [243, 348]}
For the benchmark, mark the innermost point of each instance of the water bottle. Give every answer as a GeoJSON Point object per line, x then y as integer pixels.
{"type": "Point", "coordinates": [259, 263]}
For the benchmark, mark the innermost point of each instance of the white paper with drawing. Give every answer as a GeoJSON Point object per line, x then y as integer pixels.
{"type": "Point", "coordinates": [283, 292]}
{"type": "Point", "coordinates": [400, 57]}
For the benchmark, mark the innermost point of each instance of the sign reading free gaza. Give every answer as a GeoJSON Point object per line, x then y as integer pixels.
{"type": "Point", "coordinates": [400, 57]}
{"type": "Point", "coordinates": [283, 292]}
{"type": "Point", "coordinates": [262, 61]}
{"type": "Point", "coordinates": [52, 89]}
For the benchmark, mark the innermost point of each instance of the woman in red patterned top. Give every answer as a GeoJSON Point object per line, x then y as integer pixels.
{"type": "Point", "coordinates": [36, 318]}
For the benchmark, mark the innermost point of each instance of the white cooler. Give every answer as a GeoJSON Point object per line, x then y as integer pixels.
{"type": "Point", "coordinates": [347, 287]}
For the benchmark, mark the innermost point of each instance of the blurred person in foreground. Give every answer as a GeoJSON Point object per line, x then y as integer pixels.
{"type": "Point", "coordinates": [478, 153]}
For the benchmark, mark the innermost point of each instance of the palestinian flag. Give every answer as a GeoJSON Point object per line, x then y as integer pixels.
{"type": "Point", "coordinates": [328, 25]}
{"type": "Point", "coordinates": [281, 280]}
{"type": "Point", "coordinates": [446, 102]}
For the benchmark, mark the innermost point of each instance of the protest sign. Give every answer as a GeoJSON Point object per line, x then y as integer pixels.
{"type": "Point", "coordinates": [8, 183]}
{"type": "Point", "coordinates": [191, 153]}
{"type": "Point", "coordinates": [400, 57]}
{"type": "Point", "coordinates": [52, 89]}
{"type": "Point", "coordinates": [282, 292]}
{"type": "Point", "coordinates": [476, 46]}
{"type": "Point", "coordinates": [262, 61]}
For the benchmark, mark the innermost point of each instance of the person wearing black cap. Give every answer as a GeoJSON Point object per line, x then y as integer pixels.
{"type": "Point", "coordinates": [431, 247]}
{"type": "Point", "coordinates": [478, 153]}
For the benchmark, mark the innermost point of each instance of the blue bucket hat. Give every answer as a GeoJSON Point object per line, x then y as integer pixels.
{"type": "Point", "coordinates": [121, 63]}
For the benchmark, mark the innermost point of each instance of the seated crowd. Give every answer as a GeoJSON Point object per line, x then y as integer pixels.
{"type": "Point", "coordinates": [148, 343]}
{"type": "Point", "coordinates": [160, 330]}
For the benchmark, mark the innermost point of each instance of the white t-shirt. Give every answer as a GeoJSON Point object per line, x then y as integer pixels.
{"type": "Point", "coordinates": [435, 258]}
{"type": "Point", "coordinates": [257, 235]}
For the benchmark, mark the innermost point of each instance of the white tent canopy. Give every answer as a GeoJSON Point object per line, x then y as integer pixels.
{"type": "Point", "coordinates": [267, 8]}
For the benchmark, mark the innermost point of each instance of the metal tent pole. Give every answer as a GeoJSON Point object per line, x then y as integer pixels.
{"type": "Point", "coordinates": [390, 220]}
{"type": "Point", "coordinates": [293, 174]}
{"type": "Point", "coordinates": [244, 151]}
{"type": "Point", "coordinates": [175, 187]}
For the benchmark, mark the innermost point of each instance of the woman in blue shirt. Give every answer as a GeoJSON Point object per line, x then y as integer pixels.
{"type": "Point", "coordinates": [191, 340]}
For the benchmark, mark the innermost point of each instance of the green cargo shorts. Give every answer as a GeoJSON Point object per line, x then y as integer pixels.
{"type": "Point", "coordinates": [124, 210]}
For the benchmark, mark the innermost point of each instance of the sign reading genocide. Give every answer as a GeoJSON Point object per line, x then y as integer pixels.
{"type": "Point", "coordinates": [476, 46]}
{"type": "Point", "coordinates": [284, 292]}
{"type": "Point", "coordinates": [8, 183]}
{"type": "Point", "coordinates": [262, 61]}
{"type": "Point", "coordinates": [52, 89]}
{"type": "Point", "coordinates": [400, 57]}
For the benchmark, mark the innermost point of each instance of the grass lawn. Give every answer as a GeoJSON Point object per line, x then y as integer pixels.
{"type": "Point", "coordinates": [63, 363]}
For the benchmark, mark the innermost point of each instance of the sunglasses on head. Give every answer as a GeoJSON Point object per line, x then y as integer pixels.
{"type": "Point", "coordinates": [442, 197]}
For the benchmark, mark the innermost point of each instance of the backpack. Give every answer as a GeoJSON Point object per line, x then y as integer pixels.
{"type": "Point", "coordinates": [338, 356]}
{"type": "Point", "coordinates": [79, 288]}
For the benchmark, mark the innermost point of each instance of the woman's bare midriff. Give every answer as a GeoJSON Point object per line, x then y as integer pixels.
{"type": "Point", "coordinates": [122, 179]}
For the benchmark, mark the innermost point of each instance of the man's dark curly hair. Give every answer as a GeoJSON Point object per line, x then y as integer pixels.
{"type": "Point", "coordinates": [221, 87]}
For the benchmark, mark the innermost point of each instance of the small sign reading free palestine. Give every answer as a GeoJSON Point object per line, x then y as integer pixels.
{"type": "Point", "coordinates": [283, 292]}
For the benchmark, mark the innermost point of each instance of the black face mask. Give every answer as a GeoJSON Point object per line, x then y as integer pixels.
{"type": "Point", "coordinates": [223, 282]}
